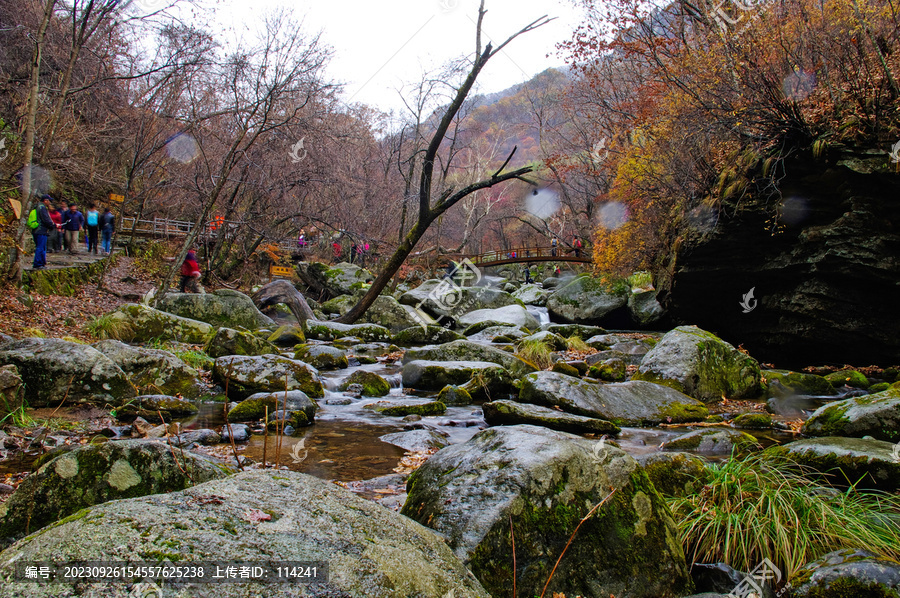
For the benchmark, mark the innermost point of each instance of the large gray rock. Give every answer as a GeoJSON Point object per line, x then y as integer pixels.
{"type": "Point", "coordinates": [94, 474]}
{"type": "Point", "coordinates": [328, 331]}
{"type": "Point", "coordinates": [145, 324]}
{"type": "Point", "coordinates": [53, 370]}
{"type": "Point", "coordinates": [588, 300]}
{"type": "Point", "coordinates": [426, 335]}
{"type": "Point", "coordinates": [507, 413]}
{"type": "Point", "coordinates": [514, 315]}
{"type": "Point", "coordinates": [224, 307]}
{"type": "Point", "coordinates": [675, 474]}
{"type": "Point", "coordinates": [463, 350]}
{"type": "Point", "coordinates": [153, 370]}
{"type": "Point", "coordinates": [848, 572]}
{"type": "Point", "coordinates": [417, 440]}
{"type": "Point", "coordinates": [441, 298]}
{"type": "Point", "coordinates": [11, 390]}
{"type": "Point", "coordinates": [322, 357]}
{"type": "Point", "coordinates": [228, 341]}
{"type": "Point", "coordinates": [631, 403]}
{"type": "Point", "coordinates": [255, 516]}
{"type": "Point", "coordinates": [868, 463]}
{"type": "Point", "coordinates": [785, 383]}
{"type": "Point", "coordinates": [244, 376]}
{"type": "Point", "coordinates": [531, 294]}
{"type": "Point", "coordinates": [876, 415]}
{"type": "Point", "coordinates": [384, 311]}
{"type": "Point", "coordinates": [542, 483]}
{"type": "Point", "coordinates": [712, 441]}
{"type": "Point", "coordinates": [340, 279]}
{"type": "Point", "coordinates": [151, 406]}
{"type": "Point", "coordinates": [644, 309]}
{"type": "Point", "coordinates": [702, 365]}
{"type": "Point", "coordinates": [435, 375]}
{"type": "Point", "coordinates": [255, 406]}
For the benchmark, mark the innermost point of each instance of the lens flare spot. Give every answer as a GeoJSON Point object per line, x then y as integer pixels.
{"type": "Point", "coordinates": [182, 148]}
{"type": "Point", "coordinates": [613, 215]}
{"type": "Point", "coordinates": [798, 85]}
{"type": "Point", "coordinates": [542, 203]}
{"type": "Point", "coordinates": [794, 211]}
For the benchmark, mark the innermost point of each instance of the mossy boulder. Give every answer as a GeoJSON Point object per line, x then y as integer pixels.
{"type": "Point", "coordinates": [255, 406]}
{"type": "Point", "coordinates": [388, 312]}
{"type": "Point", "coordinates": [531, 294]}
{"type": "Point", "coordinates": [223, 307]}
{"type": "Point", "coordinates": [753, 421]}
{"type": "Point", "coordinates": [145, 324]}
{"type": "Point", "coordinates": [280, 419]}
{"type": "Point", "coordinates": [876, 415]}
{"type": "Point", "coordinates": [11, 390]}
{"type": "Point", "coordinates": [552, 340]}
{"type": "Point", "coordinates": [712, 441]}
{"type": "Point", "coordinates": [644, 309]}
{"type": "Point", "coordinates": [582, 331]}
{"type": "Point", "coordinates": [404, 408]}
{"type": "Point", "coordinates": [153, 370]}
{"type": "Point", "coordinates": [848, 378]}
{"type": "Point", "coordinates": [441, 298]}
{"type": "Point", "coordinates": [843, 461]}
{"type": "Point", "coordinates": [848, 573]}
{"type": "Point", "coordinates": [781, 383]}
{"type": "Point", "coordinates": [700, 364]}
{"type": "Point", "coordinates": [507, 413]}
{"type": "Point", "coordinates": [228, 341]}
{"type": "Point", "coordinates": [373, 385]}
{"type": "Point", "coordinates": [287, 336]}
{"type": "Point", "coordinates": [426, 335]}
{"type": "Point", "coordinates": [53, 370]}
{"type": "Point", "coordinates": [464, 350]}
{"type": "Point", "coordinates": [417, 440]}
{"type": "Point", "coordinates": [94, 474]}
{"type": "Point", "coordinates": [329, 331]}
{"type": "Point", "coordinates": [623, 403]}
{"type": "Point", "coordinates": [338, 306]}
{"type": "Point", "coordinates": [435, 375]}
{"type": "Point", "coordinates": [454, 395]}
{"type": "Point", "coordinates": [609, 370]}
{"type": "Point", "coordinates": [561, 367]}
{"type": "Point", "coordinates": [340, 279]}
{"type": "Point", "coordinates": [589, 300]}
{"type": "Point", "coordinates": [675, 474]}
{"type": "Point", "coordinates": [257, 516]}
{"type": "Point", "coordinates": [151, 406]}
{"type": "Point", "coordinates": [322, 357]}
{"type": "Point", "coordinates": [245, 375]}
{"type": "Point", "coordinates": [512, 315]}
{"type": "Point", "coordinates": [550, 481]}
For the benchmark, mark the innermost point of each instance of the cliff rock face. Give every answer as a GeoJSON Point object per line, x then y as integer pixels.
{"type": "Point", "coordinates": [825, 275]}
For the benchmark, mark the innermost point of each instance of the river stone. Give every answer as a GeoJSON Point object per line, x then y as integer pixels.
{"type": "Point", "coordinates": [435, 375]}
{"type": "Point", "coordinates": [712, 441]}
{"type": "Point", "coordinates": [228, 341]}
{"type": "Point", "coordinates": [552, 340]}
{"type": "Point", "coordinates": [282, 419]}
{"type": "Point", "coordinates": [848, 572]}
{"type": "Point", "coordinates": [675, 474]}
{"type": "Point", "coordinates": [871, 463]}
{"type": "Point", "coordinates": [454, 395]}
{"type": "Point", "coordinates": [153, 369]}
{"type": "Point", "coordinates": [404, 408]}
{"type": "Point", "coordinates": [224, 307]}
{"type": "Point", "coordinates": [700, 364]}
{"type": "Point", "coordinates": [340, 279]}
{"type": "Point", "coordinates": [240, 433]}
{"type": "Point", "coordinates": [505, 413]}
{"type": "Point", "coordinates": [96, 473]}
{"type": "Point", "coordinates": [423, 335]}
{"type": "Point", "coordinates": [287, 336]}
{"type": "Point", "coordinates": [531, 294]}
{"type": "Point", "coordinates": [644, 309]}
{"type": "Point", "coordinates": [146, 324]}
{"type": "Point", "coordinates": [609, 370]}
{"type": "Point", "coordinates": [254, 406]}
{"type": "Point", "coordinates": [370, 550]}
{"type": "Point", "coordinates": [372, 384]}
{"type": "Point", "coordinates": [150, 406]}
{"type": "Point", "coordinates": [495, 333]}
{"type": "Point", "coordinates": [589, 300]}
{"type": "Point", "coordinates": [464, 350]}
{"type": "Point", "coordinates": [543, 483]}
{"type": "Point", "coordinates": [442, 298]}
{"type": "Point", "coordinates": [631, 403]}
{"type": "Point", "coordinates": [848, 378]}
{"type": "Point", "coordinates": [53, 370]}
{"type": "Point", "coordinates": [417, 441]}
{"type": "Point", "coordinates": [514, 315]}
{"type": "Point", "coordinates": [323, 357]}
{"type": "Point", "coordinates": [329, 331]}
{"type": "Point", "coordinates": [388, 312]}
{"type": "Point", "coordinates": [11, 390]}
{"type": "Point", "coordinates": [265, 373]}
{"type": "Point", "coordinates": [582, 331]}
{"type": "Point", "coordinates": [780, 383]}
{"type": "Point", "coordinates": [876, 415]}
{"type": "Point", "coordinates": [203, 436]}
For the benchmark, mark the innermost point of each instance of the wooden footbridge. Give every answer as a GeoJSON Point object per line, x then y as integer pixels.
{"type": "Point", "coordinates": [528, 255]}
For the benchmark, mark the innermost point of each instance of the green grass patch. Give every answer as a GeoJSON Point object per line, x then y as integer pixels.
{"type": "Point", "coordinates": [535, 352]}
{"type": "Point", "coordinates": [109, 326]}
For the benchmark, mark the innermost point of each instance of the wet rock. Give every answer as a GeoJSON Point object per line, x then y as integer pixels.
{"type": "Point", "coordinates": [328, 331]}
{"type": "Point", "coordinates": [237, 432]}
{"type": "Point", "coordinates": [309, 520]}
{"type": "Point", "coordinates": [549, 480]}
{"type": "Point", "coordinates": [531, 294]}
{"type": "Point", "coordinates": [675, 474]}
{"type": "Point", "coordinates": [254, 407]}
{"type": "Point", "coordinates": [417, 440]}
{"type": "Point", "coordinates": [93, 474]}
{"type": "Point", "coordinates": [435, 375]}
{"type": "Point", "coordinates": [405, 408]}
{"type": "Point", "coordinates": [507, 413]}
{"type": "Point", "coordinates": [266, 373]}
{"type": "Point", "coordinates": [589, 300]}
{"type": "Point", "coordinates": [623, 403]}
{"type": "Point", "coordinates": [701, 365]}
{"type": "Point", "coordinates": [153, 369]}
{"type": "Point", "coordinates": [204, 436]}
{"type": "Point", "coordinates": [582, 331]}
{"type": "Point", "coordinates": [425, 335]}
{"type": "Point", "coordinates": [322, 357]}
{"type": "Point", "coordinates": [876, 415]}
{"type": "Point", "coordinates": [221, 308]}
{"type": "Point", "coordinates": [644, 309]}
{"type": "Point", "coordinates": [144, 324]}
{"type": "Point", "coordinates": [372, 384]}
{"type": "Point", "coordinates": [150, 406]}
{"type": "Point", "coordinates": [609, 370]}
{"type": "Point", "coordinates": [284, 419]}
{"type": "Point", "coordinates": [848, 378]}
{"type": "Point", "coordinates": [11, 390]}
{"type": "Point", "coordinates": [465, 350]}
{"type": "Point", "coordinates": [514, 315]}
{"type": "Point", "coordinates": [848, 572]}
{"type": "Point", "coordinates": [53, 370]}
{"type": "Point", "coordinates": [780, 383]}
{"type": "Point", "coordinates": [712, 441]}
{"type": "Point", "coordinates": [227, 341]}
{"type": "Point", "coordinates": [116, 431]}
{"type": "Point", "coordinates": [454, 395]}
{"type": "Point", "coordinates": [287, 336]}
{"type": "Point", "coordinates": [753, 421]}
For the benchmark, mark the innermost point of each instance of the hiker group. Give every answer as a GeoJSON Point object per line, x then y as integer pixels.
{"type": "Point", "coordinates": [57, 230]}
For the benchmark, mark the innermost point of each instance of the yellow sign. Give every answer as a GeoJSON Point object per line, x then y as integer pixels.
{"type": "Point", "coordinates": [282, 271]}
{"type": "Point", "coordinates": [16, 206]}
{"type": "Point", "coordinates": [116, 197]}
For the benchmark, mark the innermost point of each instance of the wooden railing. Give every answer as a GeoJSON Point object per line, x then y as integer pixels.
{"type": "Point", "coordinates": [523, 255]}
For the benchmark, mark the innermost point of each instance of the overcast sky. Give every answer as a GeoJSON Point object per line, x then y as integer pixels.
{"type": "Point", "coordinates": [380, 45]}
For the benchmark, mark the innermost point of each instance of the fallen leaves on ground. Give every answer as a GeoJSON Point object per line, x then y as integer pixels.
{"type": "Point", "coordinates": [412, 460]}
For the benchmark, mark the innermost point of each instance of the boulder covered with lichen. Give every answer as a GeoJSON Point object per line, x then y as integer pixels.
{"type": "Point", "coordinates": [153, 370]}
{"type": "Point", "coordinates": [550, 481]}
{"type": "Point", "coordinates": [224, 307]}
{"type": "Point", "coordinates": [876, 415]}
{"type": "Point", "coordinates": [589, 300]}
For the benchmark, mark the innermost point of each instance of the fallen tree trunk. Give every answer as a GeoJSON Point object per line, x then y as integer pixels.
{"type": "Point", "coordinates": [281, 291]}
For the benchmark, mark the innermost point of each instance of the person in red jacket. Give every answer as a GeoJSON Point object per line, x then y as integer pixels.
{"type": "Point", "coordinates": [190, 274]}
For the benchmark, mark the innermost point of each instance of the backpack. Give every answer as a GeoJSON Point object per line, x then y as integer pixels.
{"type": "Point", "coordinates": [33, 221]}
{"type": "Point", "coordinates": [92, 218]}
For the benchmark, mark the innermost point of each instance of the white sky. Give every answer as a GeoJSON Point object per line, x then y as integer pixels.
{"type": "Point", "coordinates": [380, 45]}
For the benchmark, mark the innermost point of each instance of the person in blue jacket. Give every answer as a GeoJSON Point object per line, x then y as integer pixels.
{"type": "Point", "coordinates": [72, 222]}
{"type": "Point", "coordinates": [45, 226]}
